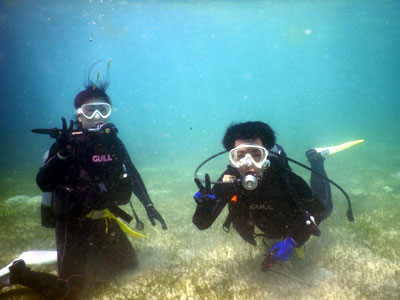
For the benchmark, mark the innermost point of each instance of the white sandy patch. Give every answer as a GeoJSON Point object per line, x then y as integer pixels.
{"type": "Point", "coordinates": [357, 192]}
{"type": "Point", "coordinates": [387, 189]}
{"type": "Point", "coordinates": [20, 199]}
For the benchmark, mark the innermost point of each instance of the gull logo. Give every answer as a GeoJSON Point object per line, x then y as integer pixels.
{"type": "Point", "coordinates": [101, 158]}
{"type": "Point", "coordinates": [261, 206]}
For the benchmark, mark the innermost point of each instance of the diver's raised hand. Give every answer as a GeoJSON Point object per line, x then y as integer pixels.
{"type": "Point", "coordinates": [204, 197]}
{"type": "Point", "coordinates": [153, 215]}
{"type": "Point", "coordinates": [65, 139]}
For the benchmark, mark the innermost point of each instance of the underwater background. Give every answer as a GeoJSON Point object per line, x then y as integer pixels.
{"type": "Point", "coordinates": [321, 73]}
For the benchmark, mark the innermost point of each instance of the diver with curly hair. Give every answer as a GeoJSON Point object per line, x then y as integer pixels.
{"type": "Point", "coordinates": [262, 191]}
{"type": "Point", "coordinates": [90, 174]}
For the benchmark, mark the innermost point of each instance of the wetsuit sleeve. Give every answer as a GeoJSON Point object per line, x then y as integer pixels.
{"type": "Point", "coordinates": [137, 184]}
{"type": "Point", "coordinates": [51, 174]}
{"type": "Point", "coordinates": [202, 218]}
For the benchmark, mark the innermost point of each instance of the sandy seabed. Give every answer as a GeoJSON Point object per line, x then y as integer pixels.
{"type": "Point", "coordinates": [359, 260]}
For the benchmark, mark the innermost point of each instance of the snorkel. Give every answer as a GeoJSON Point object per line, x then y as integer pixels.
{"type": "Point", "coordinates": [253, 182]}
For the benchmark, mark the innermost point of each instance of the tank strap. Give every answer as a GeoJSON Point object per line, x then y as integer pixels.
{"type": "Point", "coordinates": [228, 221]}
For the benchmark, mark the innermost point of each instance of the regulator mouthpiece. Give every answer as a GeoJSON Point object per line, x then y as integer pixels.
{"type": "Point", "coordinates": [250, 182]}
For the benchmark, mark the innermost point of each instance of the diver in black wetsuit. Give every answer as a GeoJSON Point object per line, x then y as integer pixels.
{"type": "Point", "coordinates": [261, 191]}
{"type": "Point", "coordinates": [90, 174]}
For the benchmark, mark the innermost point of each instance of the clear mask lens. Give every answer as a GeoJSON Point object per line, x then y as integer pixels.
{"type": "Point", "coordinates": [95, 110]}
{"type": "Point", "coordinates": [247, 155]}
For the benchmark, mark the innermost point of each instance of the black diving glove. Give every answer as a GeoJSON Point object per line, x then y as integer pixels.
{"type": "Point", "coordinates": [204, 198]}
{"type": "Point", "coordinates": [65, 140]}
{"type": "Point", "coordinates": [153, 215]}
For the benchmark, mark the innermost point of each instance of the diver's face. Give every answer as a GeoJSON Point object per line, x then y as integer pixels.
{"type": "Point", "coordinates": [239, 142]}
{"type": "Point", "coordinates": [95, 112]}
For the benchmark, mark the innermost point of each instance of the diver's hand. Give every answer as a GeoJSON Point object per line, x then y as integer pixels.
{"type": "Point", "coordinates": [153, 215]}
{"type": "Point", "coordinates": [204, 198]}
{"type": "Point", "coordinates": [65, 140]}
{"type": "Point", "coordinates": [282, 250]}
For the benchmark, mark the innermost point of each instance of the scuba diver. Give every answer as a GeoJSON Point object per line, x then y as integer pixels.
{"type": "Point", "coordinates": [90, 174]}
{"type": "Point", "coordinates": [262, 191]}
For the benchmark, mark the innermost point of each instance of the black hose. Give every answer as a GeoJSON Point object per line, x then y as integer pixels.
{"type": "Point", "coordinates": [139, 224]}
{"type": "Point", "coordinates": [350, 215]}
{"type": "Point", "coordinates": [203, 163]}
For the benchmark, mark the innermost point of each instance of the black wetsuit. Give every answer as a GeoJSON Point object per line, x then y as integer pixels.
{"type": "Point", "coordinates": [93, 179]}
{"type": "Point", "coordinates": [280, 206]}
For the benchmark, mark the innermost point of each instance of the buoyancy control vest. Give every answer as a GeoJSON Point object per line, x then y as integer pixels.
{"type": "Point", "coordinates": [97, 179]}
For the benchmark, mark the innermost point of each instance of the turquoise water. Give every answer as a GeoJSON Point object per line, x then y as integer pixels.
{"type": "Point", "coordinates": [320, 73]}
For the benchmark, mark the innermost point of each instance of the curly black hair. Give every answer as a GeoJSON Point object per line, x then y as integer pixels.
{"type": "Point", "coordinates": [250, 130]}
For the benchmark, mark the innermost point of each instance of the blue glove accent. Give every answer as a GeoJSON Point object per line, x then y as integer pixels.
{"type": "Point", "coordinates": [198, 196]}
{"type": "Point", "coordinates": [206, 202]}
{"type": "Point", "coordinates": [283, 249]}
{"type": "Point", "coordinates": [200, 199]}
{"type": "Point", "coordinates": [204, 199]}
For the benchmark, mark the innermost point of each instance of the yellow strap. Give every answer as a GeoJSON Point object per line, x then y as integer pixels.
{"type": "Point", "coordinates": [123, 226]}
{"type": "Point", "coordinates": [108, 215]}
{"type": "Point", "coordinates": [107, 220]}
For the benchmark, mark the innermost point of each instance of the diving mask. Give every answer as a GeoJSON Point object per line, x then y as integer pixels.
{"type": "Point", "coordinates": [95, 110]}
{"type": "Point", "coordinates": [249, 155]}
{"type": "Point", "coordinates": [250, 160]}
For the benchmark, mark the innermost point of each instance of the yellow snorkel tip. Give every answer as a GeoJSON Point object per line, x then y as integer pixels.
{"type": "Point", "coordinates": [97, 80]}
